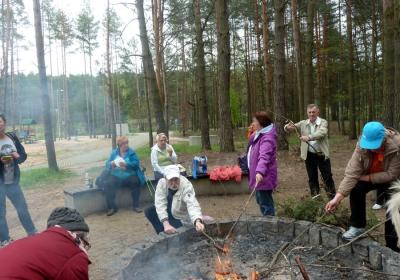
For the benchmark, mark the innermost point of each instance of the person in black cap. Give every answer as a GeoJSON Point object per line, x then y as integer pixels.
{"type": "Point", "coordinates": [58, 253]}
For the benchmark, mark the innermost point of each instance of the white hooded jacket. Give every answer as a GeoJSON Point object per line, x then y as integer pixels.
{"type": "Point", "coordinates": [185, 206]}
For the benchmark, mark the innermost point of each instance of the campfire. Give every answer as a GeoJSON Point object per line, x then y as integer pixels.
{"type": "Point", "coordinates": [252, 254]}
{"type": "Point", "coordinates": [224, 267]}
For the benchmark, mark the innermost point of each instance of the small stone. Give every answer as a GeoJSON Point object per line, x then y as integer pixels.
{"type": "Point", "coordinates": [315, 235]}
{"type": "Point", "coordinates": [329, 237]}
{"type": "Point", "coordinates": [271, 224]}
{"type": "Point", "coordinates": [286, 227]}
{"type": "Point", "coordinates": [256, 227]}
{"type": "Point", "coordinates": [361, 248]}
{"type": "Point", "coordinates": [345, 250]}
{"type": "Point", "coordinates": [390, 261]}
{"type": "Point", "coordinates": [375, 255]}
{"type": "Point", "coordinates": [303, 228]}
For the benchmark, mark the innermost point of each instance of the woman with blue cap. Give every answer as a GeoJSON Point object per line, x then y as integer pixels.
{"type": "Point", "coordinates": [375, 164]}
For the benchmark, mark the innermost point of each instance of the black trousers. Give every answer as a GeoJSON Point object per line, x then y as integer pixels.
{"type": "Point", "coordinates": [114, 183]}
{"type": "Point", "coordinates": [358, 216]}
{"type": "Point", "coordinates": [313, 163]}
{"type": "Point", "coordinates": [381, 196]}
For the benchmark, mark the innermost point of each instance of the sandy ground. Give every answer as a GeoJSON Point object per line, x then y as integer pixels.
{"type": "Point", "coordinates": [111, 235]}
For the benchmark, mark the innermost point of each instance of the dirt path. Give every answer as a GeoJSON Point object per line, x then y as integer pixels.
{"type": "Point", "coordinates": [79, 153]}
{"type": "Point", "coordinates": [110, 236]}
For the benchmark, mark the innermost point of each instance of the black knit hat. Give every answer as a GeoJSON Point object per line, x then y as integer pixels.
{"type": "Point", "coordinates": [67, 218]}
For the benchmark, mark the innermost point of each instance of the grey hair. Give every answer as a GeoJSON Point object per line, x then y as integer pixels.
{"type": "Point", "coordinates": [309, 106]}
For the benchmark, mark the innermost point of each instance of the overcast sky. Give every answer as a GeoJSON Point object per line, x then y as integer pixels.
{"type": "Point", "coordinates": [27, 58]}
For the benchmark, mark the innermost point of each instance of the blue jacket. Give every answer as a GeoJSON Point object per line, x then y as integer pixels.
{"type": "Point", "coordinates": [132, 166]}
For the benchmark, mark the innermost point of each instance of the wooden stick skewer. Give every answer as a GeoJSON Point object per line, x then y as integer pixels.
{"type": "Point", "coordinates": [302, 268]}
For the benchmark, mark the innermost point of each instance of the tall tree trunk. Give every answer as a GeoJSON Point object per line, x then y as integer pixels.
{"type": "Point", "coordinates": [6, 50]}
{"type": "Point", "coordinates": [87, 97]}
{"type": "Point", "coordinates": [388, 59]}
{"type": "Point", "coordinates": [279, 79]}
{"type": "Point", "coordinates": [267, 59]}
{"type": "Point", "coordinates": [250, 97]}
{"type": "Point", "coordinates": [184, 101]}
{"type": "Point", "coordinates": [157, 16]}
{"type": "Point", "coordinates": [110, 82]}
{"type": "Point", "coordinates": [224, 63]}
{"type": "Point", "coordinates": [259, 77]}
{"type": "Point", "coordinates": [67, 120]}
{"type": "Point", "coordinates": [48, 131]}
{"type": "Point", "coordinates": [309, 45]}
{"type": "Point", "coordinates": [146, 91]}
{"type": "Point", "coordinates": [149, 69]}
{"type": "Point", "coordinates": [397, 60]}
{"type": "Point", "coordinates": [12, 80]}
{"type": "Point", "coordinates": [52, 96]}
{"type": "Point", "coordinates": [299, 60]}
{"type": "Point", "coordinates": [201, 78]}
{"type": "Point", "coordinates": [92, 100]}
{"type": "Point", "coordinates": [350, 71]}
{"type": "Point", "coordinates": [371, 98]}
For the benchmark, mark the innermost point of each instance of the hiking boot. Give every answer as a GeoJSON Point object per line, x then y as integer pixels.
{"type": "Point", "coordinates": [377, 206]}
{"type": "Point", "coordinates": [352, 233]}
{"type": "Point", "coordinates": [111, 212]}
{"type": "Point", "coordinates": [137, 210]}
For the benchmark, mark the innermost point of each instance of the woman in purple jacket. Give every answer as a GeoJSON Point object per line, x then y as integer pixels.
{"type": "Point", "coordinates": [261, 159]}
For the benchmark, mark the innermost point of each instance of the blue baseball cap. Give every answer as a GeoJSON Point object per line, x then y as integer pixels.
{"type": "Point", "coordinates": [372, 136]}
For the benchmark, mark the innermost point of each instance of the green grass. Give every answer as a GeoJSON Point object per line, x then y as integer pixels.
{"type": "Point", "coordinates": [180, 148]}
{"type": "Point", "coordinates": [41, 177]}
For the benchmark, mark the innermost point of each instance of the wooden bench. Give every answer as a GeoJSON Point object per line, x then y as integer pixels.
{"type": "Point", "coordinates": [91, 200]}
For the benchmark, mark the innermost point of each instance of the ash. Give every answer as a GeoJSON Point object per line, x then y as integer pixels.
{"type": "Point", "coordinates": [195, 259]}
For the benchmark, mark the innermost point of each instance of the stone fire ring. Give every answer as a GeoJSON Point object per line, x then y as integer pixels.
{"type": "Point", "coordinates": [189, 255]}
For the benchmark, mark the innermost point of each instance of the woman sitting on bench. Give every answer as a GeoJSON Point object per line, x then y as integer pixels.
{"type": "Point", "coordinates": [162, 155]}
{"type": "Point", "coordinates": [124, 166]}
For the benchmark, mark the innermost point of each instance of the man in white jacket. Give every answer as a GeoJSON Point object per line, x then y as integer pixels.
{"type": "Point", "coordinates": [175, 204]}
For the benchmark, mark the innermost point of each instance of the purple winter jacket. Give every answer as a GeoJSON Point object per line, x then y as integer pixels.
{"type": "Point", "coordinates": [263, 160]}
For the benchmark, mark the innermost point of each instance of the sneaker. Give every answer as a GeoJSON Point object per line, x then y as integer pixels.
{"type": "Point", "coordinates": [352, 233]}
{"type": "Point", "coordinates": [377, 206]}
{"type": "Point", "coordinates": [137, 210]}
{"type": "Point", "coordinates": [111, 212]}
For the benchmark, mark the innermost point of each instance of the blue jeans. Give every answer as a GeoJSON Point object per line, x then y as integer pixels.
{"type": "Point", "coordinates": [266, 202]}
{"type": "Point", "coordinates": [14, 193]}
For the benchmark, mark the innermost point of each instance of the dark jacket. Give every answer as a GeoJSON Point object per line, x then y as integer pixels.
{"type": "Point", "coordinates": [50, 255]}
{"type": "Point", "coordinates": [132, 166]}
{"type": "Point", "coordinates": [16, 162]}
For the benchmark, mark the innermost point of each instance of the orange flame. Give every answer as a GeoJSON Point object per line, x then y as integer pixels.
{"type": "Point", "coordinates": [223, 268]}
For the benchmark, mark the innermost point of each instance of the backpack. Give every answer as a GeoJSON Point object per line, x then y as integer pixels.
{"type": "Point", "coordinates": [242, 161]}
{"type": "Point", "coordinates": [104, 179]}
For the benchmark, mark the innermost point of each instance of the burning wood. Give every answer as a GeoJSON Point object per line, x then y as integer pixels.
{"type": "Point", "coordinates": [224, 268]}
{"type": "Point", "coordinates": [254, 275]}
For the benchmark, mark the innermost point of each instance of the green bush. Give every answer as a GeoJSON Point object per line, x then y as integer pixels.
{"type": "Point", "coordinates": [43, 177]}
{"type": "Point", "coordinates": [313, 210]}
{"type": "Point", "coordinates": [306, 209]}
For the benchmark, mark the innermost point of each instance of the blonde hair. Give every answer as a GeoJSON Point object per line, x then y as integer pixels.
{"type": "Point", "coordinates": [121, 139]}
{"type": "Point", "coordinates": [161, 135]}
